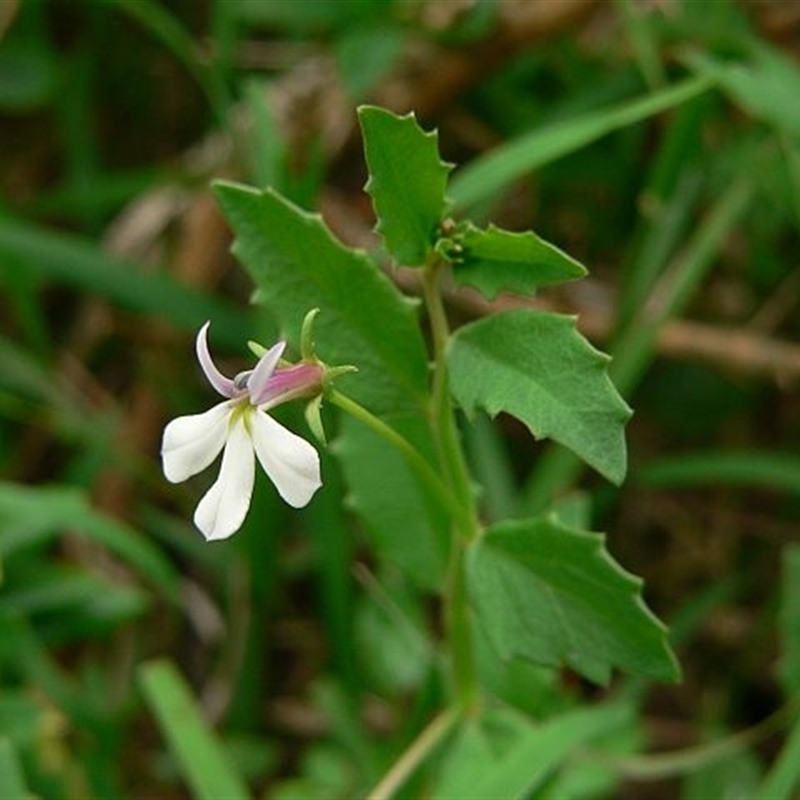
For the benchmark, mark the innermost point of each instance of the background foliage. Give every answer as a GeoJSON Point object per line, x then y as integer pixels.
{"type": "Point", "coordinates": [659, 144]}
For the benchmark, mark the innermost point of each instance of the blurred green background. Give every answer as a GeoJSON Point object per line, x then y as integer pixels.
{"type": "Point", "coordinates": [657, 141]}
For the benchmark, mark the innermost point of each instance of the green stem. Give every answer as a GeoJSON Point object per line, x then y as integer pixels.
{"type": "Point", "coordinates": [416, 753]}
{"type": "Point", "coordinates": [458, 616]}
{"type": "Point", "coordinates": [443, 419]}
{"type": "Point", "coordinates": [417, 461]}
{"type": "Point", "coordinates": [459, 622]}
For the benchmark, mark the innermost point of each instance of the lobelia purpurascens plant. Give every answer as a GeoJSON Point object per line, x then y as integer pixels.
{"type": "Point", "coordinates": [536, 588]}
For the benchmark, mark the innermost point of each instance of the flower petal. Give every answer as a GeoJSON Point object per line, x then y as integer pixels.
{"type": "Point", "coordinates": [287, 383]}
{"type": "Point", "coordinates": [290, 461]}
{"type": "Point", "coordinates": [223, 508]}
{"type": "Point", "coordinates": [222, 384]}
{"type": "Point", "coordinates": [191, 443]}
{"type": "Point", "coordinates": [262, 371]}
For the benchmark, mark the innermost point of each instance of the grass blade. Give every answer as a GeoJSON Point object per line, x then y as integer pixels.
{"type": "Point", "coordinates": [200, 755]}
{"type": "Point", "coordinates": [734, 468]}
{"type": "Point", "coordinates": [82, 265]}
{"type": "Point", "coordinates": [490, 174]}
{"type": "Point", "coordinates": [784, 776]}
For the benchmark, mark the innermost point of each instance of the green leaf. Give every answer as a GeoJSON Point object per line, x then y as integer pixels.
{"type": "Point", "coordinates": [494, 260]}
{"type": "Point", "coordinates": [537, 367]}
{"type": "Point", "coordinates": [392, 613]}
{"type": "Point", "coordinates": [12, 781]}
{"type": "Point", "coordinates": [783, 778]}
{"type": "Point", "coordinates": [555, 596]}
{"type": "Point", "coordinates": [298, 265]}
{"type": "Point", "coordinates": [735, 775]}
{"type": "Point", "coordinates": [202, 759]}
{"type": "Point", "coordinates": [504, 755]}
{"type": "Point", "coordinates": [477, 748]}
{"type": "Point", "coordinates": [406, 525]}
{"type": "Point", "coordinates": [22, 718]}
{"type": "Point", "coordinates": [407, 182]}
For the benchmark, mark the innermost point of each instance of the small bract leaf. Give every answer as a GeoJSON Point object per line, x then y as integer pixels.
{"type": "Point", "coordinates": [555, 596]}
{"type": "Point", "coordinates": [407, 182]}
{"type": "Point", "coordinates": [537, 367]}
{"type": "Point", "coordinates": [494, 260]}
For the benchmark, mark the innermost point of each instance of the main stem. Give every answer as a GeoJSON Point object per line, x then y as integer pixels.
{"type": "Point", "coordinates": [465, 526]}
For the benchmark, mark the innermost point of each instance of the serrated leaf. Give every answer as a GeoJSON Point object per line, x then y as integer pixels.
{"type": "Point", "coordinates": [495, 260]}
{"type": "Point", "coordinates": [537, 367]}
{"type": "Point", "coordinates": [407, 182]}
{"type": "Point", "coordinates": [298, 265]}
{"type": "Point", "coordinates": [406, 525]}
{"type": "Point", "coordinates": [555, 596]}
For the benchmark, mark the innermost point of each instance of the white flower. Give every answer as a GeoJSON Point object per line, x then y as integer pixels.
{"type": "Point", "coordinates": [241, 428]}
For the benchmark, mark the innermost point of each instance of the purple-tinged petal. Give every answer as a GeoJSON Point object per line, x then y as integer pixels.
{"type": "Point", "coordinates": [291, 463]}
{"type": "Point", "coordinates": [191, 443]}
{"type": "Point", "coordinates": [301, 380]}
{"type": "Point", "coordinates": [222, 384]}
{"type": "Point", "coordinates": [223, 508]}
{"type": "Point", "coordinates": [263, 370]}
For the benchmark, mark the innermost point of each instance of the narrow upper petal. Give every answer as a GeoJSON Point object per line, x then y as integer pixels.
{"type": "Point", "coordinates": [191, 443]}
{"type": "Point", "coordinates": [290, 461]}
{"type": "Point", "coordinates": [262, 371]}
{"type": "Point", "coordinates": [223, 508]}
{"type": "Point", "coordinates": [222, 384]}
